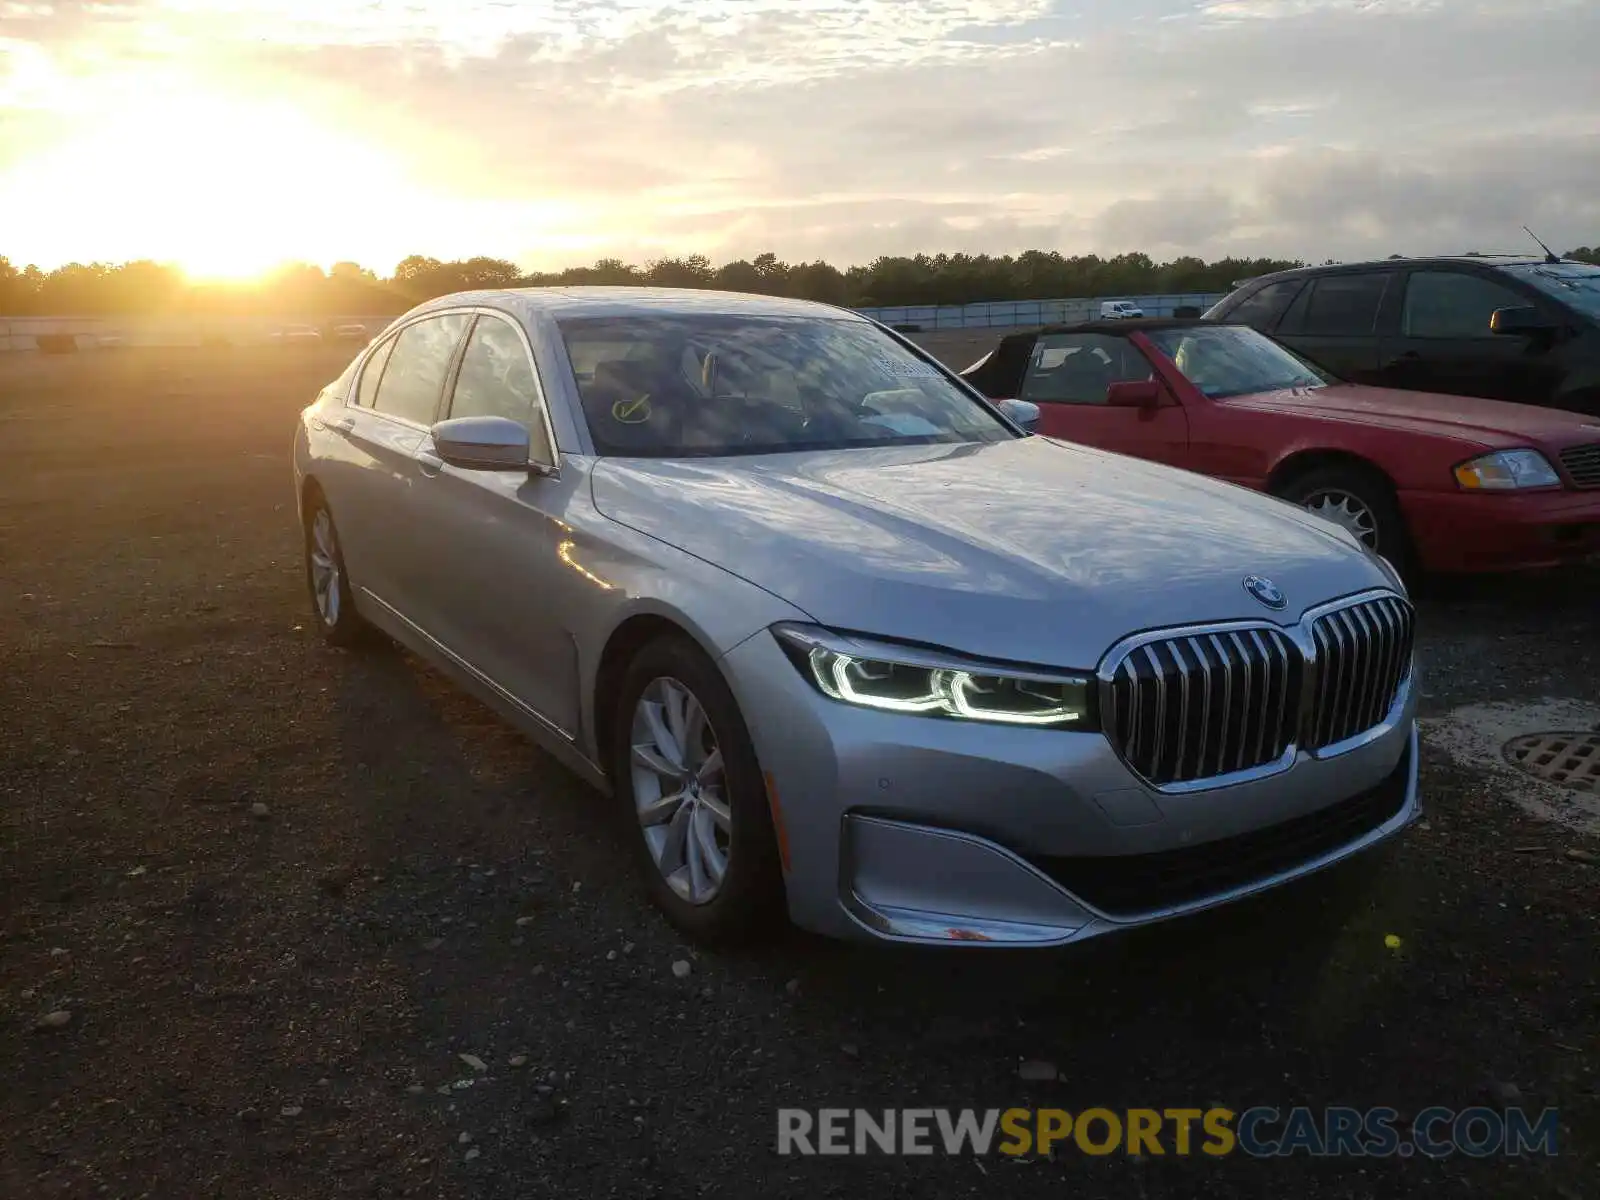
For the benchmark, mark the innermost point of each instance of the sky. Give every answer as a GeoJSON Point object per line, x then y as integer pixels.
{"type": "Point", "coordinates": [228, 137]}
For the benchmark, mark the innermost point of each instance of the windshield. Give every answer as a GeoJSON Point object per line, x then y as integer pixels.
{"type": "Point", "coordinates": [1231, 360]}
{"type": "Point", "coordinates": [1575, 284]}
{"type": "Point", "coordinates": [676, 385]}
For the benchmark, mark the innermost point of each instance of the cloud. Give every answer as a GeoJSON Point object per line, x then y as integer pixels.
{"type": "Point", "coordinates": [851, 128]}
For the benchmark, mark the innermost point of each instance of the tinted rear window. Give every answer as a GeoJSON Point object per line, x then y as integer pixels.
{"type": "Point", "coordinates": [1338, 306]}
{"type": "Point", "coordinates": [1266, 305]}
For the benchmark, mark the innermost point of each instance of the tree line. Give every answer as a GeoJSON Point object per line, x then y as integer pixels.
{"type": "Point", "coordinates": [147, 288]}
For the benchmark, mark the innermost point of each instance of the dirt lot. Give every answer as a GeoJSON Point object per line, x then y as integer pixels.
{"type": "Point", "coordinates": [273, 1001]}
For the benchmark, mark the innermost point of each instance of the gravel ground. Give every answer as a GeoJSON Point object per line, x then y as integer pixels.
{"type": "Point", "coordinates": [282, 891]}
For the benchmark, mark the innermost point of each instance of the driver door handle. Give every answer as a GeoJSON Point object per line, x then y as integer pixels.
{"type": "Point", "coordinates": [429, 463]}
{"type": "Point", "coordinates": [1402, 360]}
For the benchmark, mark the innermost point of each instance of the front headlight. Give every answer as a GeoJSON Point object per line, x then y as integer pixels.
{"type": "Point", "coordinates": [1506, 471]}
{"type": "Point", "coordinates": [908, 679]}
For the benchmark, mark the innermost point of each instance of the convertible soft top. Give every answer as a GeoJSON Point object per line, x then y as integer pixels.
{"type": "Point", "coordinates": [998, 375]}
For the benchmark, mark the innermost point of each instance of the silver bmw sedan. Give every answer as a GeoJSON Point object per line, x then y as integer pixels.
{"type": "Point", "coordinates": [842, 640]}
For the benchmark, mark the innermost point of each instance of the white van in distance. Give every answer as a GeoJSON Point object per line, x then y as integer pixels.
{"type": "Point", "coordinates": [1119, 310]}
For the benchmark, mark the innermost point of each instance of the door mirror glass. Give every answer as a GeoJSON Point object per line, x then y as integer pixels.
{"type": "Point", "coordinates": [1020, 412]}
{"type": "Point", "coordinates": [1139, 393]}
{"type": "Point", "coordinates": [482, 443]}
{"type": "Point", "coordinates": [1521, 320]}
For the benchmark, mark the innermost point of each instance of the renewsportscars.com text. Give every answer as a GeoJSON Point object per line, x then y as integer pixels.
{"type": "Point", "coordinates": [1260, 1132]}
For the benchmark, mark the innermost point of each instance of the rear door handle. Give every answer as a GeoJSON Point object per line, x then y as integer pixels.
{"type": "Point", "coordinates": [1401, 360]}
{"type": "Point", "coordinates": [343, 424]}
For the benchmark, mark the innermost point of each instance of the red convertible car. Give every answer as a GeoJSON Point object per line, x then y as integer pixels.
{"type": "Point", "coordinates": [1443, 483]}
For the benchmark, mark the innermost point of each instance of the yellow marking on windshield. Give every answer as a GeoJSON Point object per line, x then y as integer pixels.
{"type": "Point", "coordinates": [632, 412]}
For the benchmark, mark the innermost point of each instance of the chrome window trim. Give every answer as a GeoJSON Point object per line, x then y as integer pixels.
{"type": "Point", "coordinates": [510, 319]}
{"type": "Point", "coordinates": [1300, 633]}
{"type": "Point", "coordinates": [392, 334]}
{"type": "Point", "coordinates": [352, 396]}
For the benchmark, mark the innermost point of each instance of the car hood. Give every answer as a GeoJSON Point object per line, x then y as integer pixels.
{"type": "Point", "coordinates": [1029, 550]}
{"type": "Point", "coordinates": [1497, 424]}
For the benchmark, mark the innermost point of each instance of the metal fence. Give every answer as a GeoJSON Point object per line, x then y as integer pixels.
{"type": "Point", "coordinates": [89, 333]}
{"type": "Point", "coordinates": [1021, 313]}
{"type": "Point", "coordinates": [95, 333]}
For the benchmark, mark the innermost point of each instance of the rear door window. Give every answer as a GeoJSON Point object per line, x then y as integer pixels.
{"type": "Point", "coordinates": [1338, 306]}
{"type": "Point", "coordinates": [1263, 308]}
{"type": "Point", "coordinates": [415, 374]}
{"type": "Point", "coordinates": [371, 373]}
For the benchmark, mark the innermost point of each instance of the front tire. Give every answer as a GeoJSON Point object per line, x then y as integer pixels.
{"type": "Point", "coordinates": [693, 797]}
{"type": "Point", "coordinates": [1362, 501]}
{"type": "Point", "coordinates": [327, 580]}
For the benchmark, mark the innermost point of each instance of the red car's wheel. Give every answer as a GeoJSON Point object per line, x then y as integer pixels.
{"type": "Point", "coordinates": [1361, 501]}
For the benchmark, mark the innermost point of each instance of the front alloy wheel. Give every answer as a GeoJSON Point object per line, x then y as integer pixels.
{"type": "Point", "coordinates": [678, 790]}
{"type": "Point", "coordinates": [1349, 511]}
{"type": "Point", "coordinates": [692, 792]}
{"type": "Point", "coordinates": [1359, 499]}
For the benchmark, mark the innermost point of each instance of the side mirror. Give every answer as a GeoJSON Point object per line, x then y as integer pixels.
{"type": "Point", "coordinates": [482, 443]}
{"type": "Point", "coordinates": [1020, 412]}
{"type": "Point", "coordinates": [1128, 393]}
{"type": "Point", "coordinates": [1523, 320]}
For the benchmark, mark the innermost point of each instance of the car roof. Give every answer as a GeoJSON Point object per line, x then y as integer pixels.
{"type": "Point", "coordinates": [1134, 325]}
{"type": "Point", "coordinates": [1490, 261]}
{"type": "Point", "coordinates": [636, 301]}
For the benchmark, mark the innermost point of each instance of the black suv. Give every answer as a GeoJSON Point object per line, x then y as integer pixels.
{"type": "Point", "coordinates": [1522, 329]}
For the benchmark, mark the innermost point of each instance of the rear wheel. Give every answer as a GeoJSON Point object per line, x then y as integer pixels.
{"type": "Point", "coordinates": [327, 580]}
{"type": "Point", "coordinates": [1360, 500]}
{"type": "Point", "coordinates": [685, 772]}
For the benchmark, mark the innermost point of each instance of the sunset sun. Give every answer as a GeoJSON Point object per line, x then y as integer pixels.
{"type": "Point", "coordinates": [223, 187]}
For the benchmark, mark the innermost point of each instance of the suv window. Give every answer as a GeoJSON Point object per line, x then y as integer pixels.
{"type": "Point", "coordinates": [1267, 304]}
{"type": "Point", "coordinates": [497, 380]}
{"type": "Point", "coordinates": [367, 392]}
{"type": "Point", "coordinates": [417, 367]}
{"type": "Point", "coordinates": [1338, 305]}
{"type": "Point", "coordinates": [1078, 368]}
{"type": "Point", "coordinates": [1453, 304]}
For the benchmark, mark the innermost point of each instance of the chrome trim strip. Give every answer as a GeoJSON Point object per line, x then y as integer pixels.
{"type": "Point", "coordinates": [404, 322]}
{"type": "Point", "coordinates": [532, 713]}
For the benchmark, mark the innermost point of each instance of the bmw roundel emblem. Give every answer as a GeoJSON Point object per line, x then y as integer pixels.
{"type": "Point", "coordinates": [1265, 591]}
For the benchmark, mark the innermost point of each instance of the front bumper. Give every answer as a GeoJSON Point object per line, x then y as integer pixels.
{"type": "Point", "coordinates": [1463, 532]}
{"type": "Point", "coordinates": [912, 829]}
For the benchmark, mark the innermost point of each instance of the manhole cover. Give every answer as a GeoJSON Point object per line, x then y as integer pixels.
{"type": "Point", "coordinates": [1570, 759]}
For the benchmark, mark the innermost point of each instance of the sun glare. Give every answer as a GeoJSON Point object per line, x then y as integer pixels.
{"type": "Point", "coordinates": [225, 188]}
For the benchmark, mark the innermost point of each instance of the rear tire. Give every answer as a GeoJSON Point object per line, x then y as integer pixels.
{"type": "Point", "coordinates": [327, 581]}
{"type": "Point", "coordinates": [692, 796]}
{"type": "Point", "coordinates": [1360, 499]}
